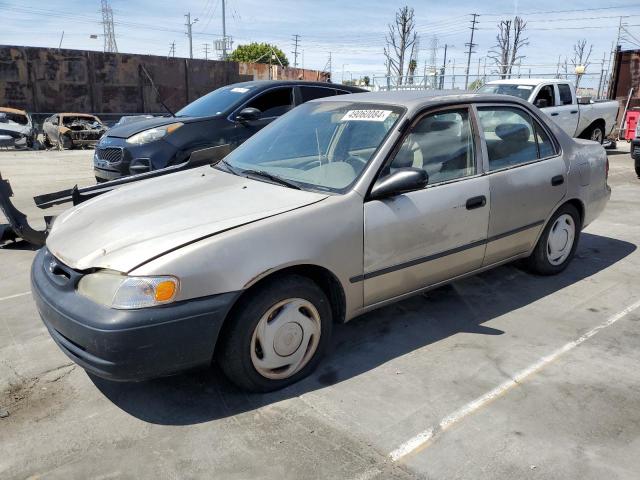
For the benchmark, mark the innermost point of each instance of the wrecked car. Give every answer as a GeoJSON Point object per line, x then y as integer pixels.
{"type": "Point", "coordinates": [70, 130]}
{"type": "Point", "coordinates": [16, 128]}
{"type": "Point", "coordinates": [226, 116]}
{"type": "Point", "coordinates": [339, 207]}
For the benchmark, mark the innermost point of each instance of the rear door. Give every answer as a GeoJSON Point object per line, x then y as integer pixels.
{"type": "Point", "coordinates": [565, 113]}
{"type": "Point", "coordinates": [423, 237]}
{"type": "Point", "coordinates": [527, 177]}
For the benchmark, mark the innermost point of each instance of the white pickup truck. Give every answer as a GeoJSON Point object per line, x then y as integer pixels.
{"type": "Point", "coordinates": [579, 117]}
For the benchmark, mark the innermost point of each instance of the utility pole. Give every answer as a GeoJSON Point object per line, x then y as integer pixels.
{"type": "Point", "coordinates": [107, 24]}
{"type": "Point", "coordinates": [471, 45]}
{"type": "Point", "coordinates": [172, 50]}
{"type": "Point", "coordinates": [61, 38]}
{"type": "Point", "coordinates": [453, 77]}
{"type": "Point", "coordinates": [190, 24]}
{"type": "Point", "coordinates": [206, 51]}
{"type": "Point", "coordinates": [296, 39]}
{"type": "Point", "coordinates": [444, 67]}
{"type": "Point", "coordinates": [224, 31]}
{"type": "Point", "coordinates": [329, 69]}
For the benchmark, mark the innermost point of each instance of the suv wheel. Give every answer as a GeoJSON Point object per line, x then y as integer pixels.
{"type": "Point", "coordinates": [277, 335]}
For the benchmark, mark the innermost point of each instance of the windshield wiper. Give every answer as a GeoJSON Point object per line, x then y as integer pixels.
{"type": "Point", "coordinates": [273, 178]}
{"type": "Point", "coordinates": [227, 165]}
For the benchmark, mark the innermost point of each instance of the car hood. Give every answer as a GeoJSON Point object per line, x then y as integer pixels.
{"type": "Point", "coordinates": [127, 227]}
{"type": "Point", "coordinates": [128, 129]}
{"type": "Point", "coordinates": [15, 127]}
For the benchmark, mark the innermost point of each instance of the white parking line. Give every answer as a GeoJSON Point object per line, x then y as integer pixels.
{"type": "Point", "coordinates": [15, 296]}
{"type": "Point", "coordinates": [422, 438]}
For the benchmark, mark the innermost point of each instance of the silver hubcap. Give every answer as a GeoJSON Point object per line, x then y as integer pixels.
{"type": "Point", "coordinates": [560, 241]}
{"type": "Point", "coordinates": [285, 338]}
{"type": "Point", "coordinates": [596, 135]}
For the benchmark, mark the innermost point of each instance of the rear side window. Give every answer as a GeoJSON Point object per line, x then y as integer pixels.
{"type": "Point", "coordinates": [273, 103]}
{"type": "Point", "coordinates": [509, 135]}
{"type": "Point", "coordinates": [565, 94]}
{"type": "Point", "coordinates": [311, 93]}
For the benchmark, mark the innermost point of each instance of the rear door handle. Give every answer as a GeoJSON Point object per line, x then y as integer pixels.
{"type": "Point", "coordinates": [555, 114]}
{"type": "Point", "coordinates": [557, 180]}
{"type": "Point", "coordinates": [476, 202]}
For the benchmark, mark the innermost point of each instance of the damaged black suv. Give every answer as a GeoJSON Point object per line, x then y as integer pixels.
{"type": "Point", "coordinates": [226, 116]}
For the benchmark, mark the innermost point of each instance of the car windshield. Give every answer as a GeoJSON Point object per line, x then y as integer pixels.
{"type": "Point", "coordinates": [318, 145]}
{"type": "Point", "coordinates": [216, 102]}
{"type": "Point", "coordinates": [520, 91]}
{"type": "Point", "coordinates": [10, 117]}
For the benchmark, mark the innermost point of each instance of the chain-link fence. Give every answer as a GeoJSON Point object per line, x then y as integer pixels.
{"type": "Point", "coordinates": [592, 84]}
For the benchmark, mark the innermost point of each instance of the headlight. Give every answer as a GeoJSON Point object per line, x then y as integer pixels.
{"type": "Point", "coordinates": [123, 292]}
{"type": "Point", "coordinates": [153, 134]}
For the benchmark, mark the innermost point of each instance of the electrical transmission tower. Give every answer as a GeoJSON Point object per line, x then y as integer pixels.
{"type": "Point", "coordinates": [172, 50]}
{"type": "Point", "coordinates": [296, 41]}
{"type": "Point", "coordinates": [109, 31]}
{"type": "Point", "coordinates": [471, 46]}
{"type": "Point", "coordinates": [206, 51]}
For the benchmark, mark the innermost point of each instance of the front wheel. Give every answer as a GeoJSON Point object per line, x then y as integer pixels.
{"type": "Point", "coordinates": [277, 335]}
{"type": "Point", "coordinates": [637, 165]}
{"type": "Point", "coordinates": [558, 242]}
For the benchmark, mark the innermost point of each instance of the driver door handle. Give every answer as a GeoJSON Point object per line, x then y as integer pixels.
{"type": "Point", "coordinates": [476, 202]}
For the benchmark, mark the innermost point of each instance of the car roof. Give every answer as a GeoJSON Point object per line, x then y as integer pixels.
{"type": "Point", "coordinates": [12, 110]}
{"type": "Point", "coordinates": [277, 83]}
{"type": "Point", "coordinates": [526, 81]}
{"type": "Point", "coordinates": [412, 99]}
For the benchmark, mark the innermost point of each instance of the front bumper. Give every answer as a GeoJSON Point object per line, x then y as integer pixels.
{"type": "Point", "coordinates": [132, 160]}
{"type": "Point", "coordinates": [125, 345]}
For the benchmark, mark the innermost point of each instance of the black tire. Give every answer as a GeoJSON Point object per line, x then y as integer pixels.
{"type": "Point", "coordinates": [596, 130]}
{"type": "Point", "coordinates": [233, 353]}
{"type": "Point", "coordinates": [637, 165]}
{"type": "Point", "coordinates": [46, 142]}
{"type": "Point", "coordinates": [66, 143]}
{"type": "Point", "coordinates": [539, 262]}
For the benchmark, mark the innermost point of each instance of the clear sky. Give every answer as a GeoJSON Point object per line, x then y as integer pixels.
{"type": "Point", "coordinates": [352, 30]}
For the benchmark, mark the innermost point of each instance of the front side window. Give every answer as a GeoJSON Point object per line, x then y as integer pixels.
{"type": "Point", "coordinates": [319, 145]}
{"type": "Point", "coordinates": [565, 94]}
{"type": "Point", "coordinates": [441, 144]}
{"type": "Point", "coordinates": [273, 103]}
{"type": "Point", "coordinates": [546, 97]}
{"type": "Point", "coordinates": [511, 137]}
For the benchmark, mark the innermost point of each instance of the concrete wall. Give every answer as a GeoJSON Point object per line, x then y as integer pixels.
{"type": "Point", "coordinates": [49, 80]}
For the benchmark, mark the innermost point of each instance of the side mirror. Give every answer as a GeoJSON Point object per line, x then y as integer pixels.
{"type": "Point", "coordinates": [401, 181]}
{"type": "Point", "coordinates": [584, 100]}
{"type": "Point", "coordinates": [542, 103]}
{"type": "Point", "coordinates": [248, 114]}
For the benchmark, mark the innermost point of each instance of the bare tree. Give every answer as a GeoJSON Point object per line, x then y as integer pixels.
{"type": "Point", "coordinates": [509, 43]}
{"type": "Point", "coordinates": [401, 42]}
{"type": "Point", "coordinates": [581, 55]}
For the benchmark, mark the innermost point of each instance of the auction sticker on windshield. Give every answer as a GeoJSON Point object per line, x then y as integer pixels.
{"type": "Point", "coordinates": [366, 115]}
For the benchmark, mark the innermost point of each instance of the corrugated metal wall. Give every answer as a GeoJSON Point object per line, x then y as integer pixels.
{"type": "Point", "coordinates": [50, 80]}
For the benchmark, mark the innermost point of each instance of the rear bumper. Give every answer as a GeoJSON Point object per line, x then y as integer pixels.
{"type": "Point", "coordinates": [127, 345]}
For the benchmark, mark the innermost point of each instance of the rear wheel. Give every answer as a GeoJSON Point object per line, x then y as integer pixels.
{"type": "Point", "coordinates": [595, 133]}
{"type": "Point", "coordinates": [637, 164]}
{"type": "Point", "coordinates": [558, 242]}
{"type": "Point", "coordinates": [277, 335]}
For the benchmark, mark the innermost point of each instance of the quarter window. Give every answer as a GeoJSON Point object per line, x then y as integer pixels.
{"type": "Point", "coordinates": [441, 144]}
{"type": "Point", "coordinates": [511, 137]}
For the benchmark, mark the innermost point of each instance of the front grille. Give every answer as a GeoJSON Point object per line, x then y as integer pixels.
{"type": "Point", "coordinates": [110, 154]}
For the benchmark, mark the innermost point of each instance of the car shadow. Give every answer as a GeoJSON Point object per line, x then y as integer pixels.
{"type": "Point", "coordinates": [368, 341]}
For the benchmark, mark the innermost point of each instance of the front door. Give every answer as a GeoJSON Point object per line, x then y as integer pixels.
{"type": "Point", "coordinates": [528, 179]}
{"type": "Point", "coordinates": [272, 104]}
{"type": "Point", "coordinates": [434, 234]}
